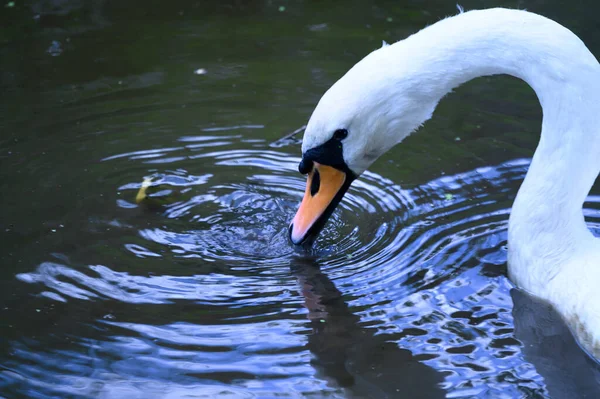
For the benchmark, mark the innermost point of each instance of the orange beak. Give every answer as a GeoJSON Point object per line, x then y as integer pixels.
{"type": "Point", "coordinates": [325, 188]}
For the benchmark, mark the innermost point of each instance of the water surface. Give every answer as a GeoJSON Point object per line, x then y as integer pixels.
{"type": "Point", "coordinates": [198, 293]}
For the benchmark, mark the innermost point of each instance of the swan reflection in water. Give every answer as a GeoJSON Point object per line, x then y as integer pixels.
{"type": "Point", "coordinates": [353, 356]}
{"type": "Point", "coordinates": [550, 346]}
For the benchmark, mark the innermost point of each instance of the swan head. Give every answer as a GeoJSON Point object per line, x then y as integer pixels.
{"type": "Point", "coordinates": [369, 110]}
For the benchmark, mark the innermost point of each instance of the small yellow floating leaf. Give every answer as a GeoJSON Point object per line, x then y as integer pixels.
{"type": "Point", "coordinates": [141, 195]}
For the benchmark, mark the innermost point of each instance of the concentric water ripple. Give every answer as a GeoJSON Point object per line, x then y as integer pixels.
{"type": "Point", "coordinates": [246, 221]}
{"type": "Point", "coordinates": [222, 305]}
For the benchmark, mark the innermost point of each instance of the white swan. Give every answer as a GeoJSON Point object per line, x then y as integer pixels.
{"type": "Point", "coordinates": [395, 89]}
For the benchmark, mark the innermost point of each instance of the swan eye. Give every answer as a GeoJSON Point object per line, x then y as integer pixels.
{"type": "Point", "coordinates": [340, 134]}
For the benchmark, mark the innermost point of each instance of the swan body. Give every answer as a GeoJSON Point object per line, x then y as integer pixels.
{"type": "Point", "coordinates": [395, 89]}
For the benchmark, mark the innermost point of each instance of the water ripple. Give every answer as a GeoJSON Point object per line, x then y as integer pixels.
{"type": "Point", "coordinates": [241, 314]}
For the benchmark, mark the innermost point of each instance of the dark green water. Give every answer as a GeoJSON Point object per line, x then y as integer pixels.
{"type": "Point", "coordinates": [202, 295]}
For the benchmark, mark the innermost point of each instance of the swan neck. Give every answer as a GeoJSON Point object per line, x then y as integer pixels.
{"type": "Point", "coordinates": [563, 73]}
{"type": "Point", "coordinates": [547, 213]}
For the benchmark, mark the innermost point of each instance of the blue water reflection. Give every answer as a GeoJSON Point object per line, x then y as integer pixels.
{"type": "Point", "coordinates": [405, 295]}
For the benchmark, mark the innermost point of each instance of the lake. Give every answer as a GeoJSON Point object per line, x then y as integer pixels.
{"type": "Point", "coordinates": [197, 291]}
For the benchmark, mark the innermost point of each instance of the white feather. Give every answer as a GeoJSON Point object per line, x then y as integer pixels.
{"type": "Point", "coordinates": [395, 89]}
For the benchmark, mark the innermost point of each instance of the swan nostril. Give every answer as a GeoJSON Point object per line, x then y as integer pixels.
{"type": "Point", "coordinates": [315, 184]}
